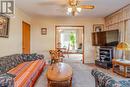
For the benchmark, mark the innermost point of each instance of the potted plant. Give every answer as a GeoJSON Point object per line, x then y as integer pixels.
{"type": "Point", "coordinates": [72, 40]}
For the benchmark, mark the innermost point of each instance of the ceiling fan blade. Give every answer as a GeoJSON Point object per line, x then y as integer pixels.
{"type": "Point", "coordinates": [73, 2]}
{"type": "Point", "coordinates": [87, 6]}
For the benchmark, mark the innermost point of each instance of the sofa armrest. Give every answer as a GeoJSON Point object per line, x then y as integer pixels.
{"type": "Point", "coordinates": [6, 80]}
{"type": "Point", "coordinates": [102, 80]}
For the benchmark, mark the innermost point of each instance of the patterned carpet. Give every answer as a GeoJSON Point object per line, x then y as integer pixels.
{"type": "Point", "coordinates": [81, 74]}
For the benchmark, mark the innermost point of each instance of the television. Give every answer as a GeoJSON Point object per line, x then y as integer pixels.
{"type": "Point", "coordinates": [105, 38]}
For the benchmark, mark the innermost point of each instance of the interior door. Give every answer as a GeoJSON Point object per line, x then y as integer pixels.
{"type": "Point", "coordinates": [26, 38]}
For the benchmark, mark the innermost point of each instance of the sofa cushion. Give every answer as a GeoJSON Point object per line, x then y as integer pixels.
{"type": "Point", "coordinates": [103, 80]}
{"type": "Point", "coordinates": [26, 57]}
{"type": "Point", "coordinates": [9, 62]}
{"type": "Point", "coordinates": [31, 57]}
{"type": "Point", "coordinates": [125, 83]}
{"type": "Point", "coordinates": [39, 56]}
{"type": "Point", "coordinates": [25, 72]}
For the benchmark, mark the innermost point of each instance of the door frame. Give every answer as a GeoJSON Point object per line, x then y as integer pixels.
{"type": "Point", "coordinates": [83, 54]}
{"type": "Point", "coordinates": [23, 22]}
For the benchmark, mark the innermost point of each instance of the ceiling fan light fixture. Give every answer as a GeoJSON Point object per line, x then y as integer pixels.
{"type": "Point", "coordinates": [69, 9]}
{"type": "Point", "coordinates": [75, 7]}
{"type": "Point", "coordinates": [79, 9]}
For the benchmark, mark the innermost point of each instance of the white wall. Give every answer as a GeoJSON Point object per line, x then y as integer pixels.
{"type": "Point", "coordinates": [13, 44]}
{"type": "Point", "coordinates": [40, 43]}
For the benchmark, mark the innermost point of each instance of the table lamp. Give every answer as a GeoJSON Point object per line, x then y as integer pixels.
{"type": "Point", "coordinates": [123, 46]}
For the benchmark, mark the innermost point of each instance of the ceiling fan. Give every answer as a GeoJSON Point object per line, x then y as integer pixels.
{"type": "Point", "coordinates": [75, 7]}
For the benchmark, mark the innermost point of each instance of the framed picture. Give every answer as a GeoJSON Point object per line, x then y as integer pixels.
{"type": "Point", "coordinates": [98, 27]}
{"type": "Point", "coordinates": [43, 31]}
{"type": "Point", "coordinates": [4, 26]}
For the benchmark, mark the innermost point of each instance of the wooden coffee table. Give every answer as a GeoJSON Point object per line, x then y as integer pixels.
{"type": "Point", "coordinates": [59, 73]}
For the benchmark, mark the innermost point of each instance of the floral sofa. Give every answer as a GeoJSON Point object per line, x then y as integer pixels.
{"type": "Point", "coordinates": [103, 80]}
{"type": "Point", "coordinates": [20, 70]}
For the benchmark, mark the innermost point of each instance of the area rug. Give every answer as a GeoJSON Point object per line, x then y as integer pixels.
{"type": "Point", "coordinates": [81, 75]}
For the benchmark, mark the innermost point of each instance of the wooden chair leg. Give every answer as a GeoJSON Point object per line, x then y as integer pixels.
{"type": "Point", "coordinates": [71, 82]}
{"type": "Point", "coordinates": [68, 55]}
{"type": "Point", "coordinates": [61, 59]}
{"type": "Point", "coordinates": [52, 61]}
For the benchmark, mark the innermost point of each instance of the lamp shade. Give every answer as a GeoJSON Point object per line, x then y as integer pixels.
{"type": "Point", "coordinates": [122, 46]}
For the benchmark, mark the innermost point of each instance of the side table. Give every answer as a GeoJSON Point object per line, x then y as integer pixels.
{"type": "Point", "coordinates": [121, 67]}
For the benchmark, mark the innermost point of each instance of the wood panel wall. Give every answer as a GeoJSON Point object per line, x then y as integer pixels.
{"type": "Point", "coordinates": [118, 20]}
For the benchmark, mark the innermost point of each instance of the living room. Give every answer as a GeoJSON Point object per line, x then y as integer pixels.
{"type": "Point", "coordinates": [42, 17]}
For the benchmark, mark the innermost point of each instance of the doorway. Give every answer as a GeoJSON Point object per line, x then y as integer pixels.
{"type": "Point", "coordinates": [70, 38]}
{"type": "Point", "coordinates": [25, 38]}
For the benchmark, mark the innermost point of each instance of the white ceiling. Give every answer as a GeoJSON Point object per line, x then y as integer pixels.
{"type": "Point", "coordinates": [59, 7]}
